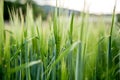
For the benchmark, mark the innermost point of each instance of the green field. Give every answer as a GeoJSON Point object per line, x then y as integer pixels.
{"type": "Point", "coordinates": [59, 49]}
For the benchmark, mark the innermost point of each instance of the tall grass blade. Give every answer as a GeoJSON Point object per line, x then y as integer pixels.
{"type": "Point", "coordinates": [80, 54]}
{"type": "Point", "coordinates": [70, 55]}
{"type": "Point", "coordinates": [1, 30]}
{"type": "Point", "coordinates": [110, 45]}
{"type": "Point", "coordinates": [1, 39]}
{"type": "Point", "coordinates": [78, 71]}
{"type": "Point", "coordinates": [71, 29]}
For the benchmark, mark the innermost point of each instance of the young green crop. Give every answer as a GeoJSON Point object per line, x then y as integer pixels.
{"type": "Point", "coordinates": [1, 30]}
{"type": "Point", "coordinates": [62, 48]}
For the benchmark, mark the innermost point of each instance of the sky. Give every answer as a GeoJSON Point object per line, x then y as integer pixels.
{"type": "Point", "coordinates": [93, 6]}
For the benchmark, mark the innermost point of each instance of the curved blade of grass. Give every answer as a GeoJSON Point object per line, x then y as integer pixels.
{"type": "Point", "coordinates": [17, 52]}
{"type": "Point", "coordinates": [9, 31]}
{"type": "Point", "coordinates": [63, 54]}
{"type": "Point", "coordinates": [23, 66]}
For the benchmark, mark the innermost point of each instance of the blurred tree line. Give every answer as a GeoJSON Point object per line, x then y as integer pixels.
{"type": "Point", "coordinates": [16, 5]}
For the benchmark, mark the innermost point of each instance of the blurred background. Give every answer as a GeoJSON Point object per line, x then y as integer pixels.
{"type": "Point", "coordinates": [46, 8]}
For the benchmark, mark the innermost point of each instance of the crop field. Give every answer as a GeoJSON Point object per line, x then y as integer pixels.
{"type": "Point", "coordinates": [59, 49]}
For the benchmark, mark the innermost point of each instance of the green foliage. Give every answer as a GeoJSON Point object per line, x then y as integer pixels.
{"type": "Point", "coordinates": [61, 49]}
